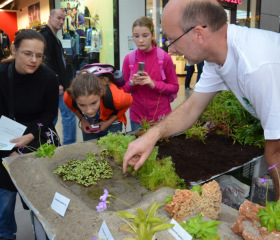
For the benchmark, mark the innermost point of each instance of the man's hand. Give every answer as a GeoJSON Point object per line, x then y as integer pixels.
{"type": "Point", "coordinates": [138, 151]}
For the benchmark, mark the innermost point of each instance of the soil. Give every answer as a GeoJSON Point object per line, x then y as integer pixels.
{"type": "Point", "coordinates": [195, 161]}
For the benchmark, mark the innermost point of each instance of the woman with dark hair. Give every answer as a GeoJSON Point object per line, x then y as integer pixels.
{"type": "Point", "coordinates": [28, 95]}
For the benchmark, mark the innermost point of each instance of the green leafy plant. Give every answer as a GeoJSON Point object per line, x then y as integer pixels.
{"type": "Point", "coordinates": [231, 119]}
{"type": "Point", "coordinates": [199, 229]}
{"type": "Point", "coordinates": [270, 215]}
{"type": "Point", "coordinates": [197, 188]}
{"type": "Point", "coordinates": [154, 174]}
{"type": "Point", "coordinates": [85, 172]}
{"type": "Point", "coordinates": [197, 131]}
{"type": "Point", "coordinates": [144, 224]}
{"type": "Point", "coordinates": [46, 149]}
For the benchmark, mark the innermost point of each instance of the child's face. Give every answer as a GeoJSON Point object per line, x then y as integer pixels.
{"type": "Point", "coordinates": [89, 105]}
{"type": "Point", "coordinates": [142, 36]}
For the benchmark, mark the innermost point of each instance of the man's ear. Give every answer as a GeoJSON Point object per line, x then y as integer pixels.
{"type": "Point", "coordinates": [199, 32]}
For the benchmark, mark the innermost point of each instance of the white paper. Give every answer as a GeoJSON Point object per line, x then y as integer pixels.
{"type": "Point", "coordinates": [104, 232]}
{"type": "Point", "coordinates": [178, 232]}
{"type": "Point", "coordinates": [66, 43]}
{"type": "Point", "coordinates": [9, 129]}
{"type": "Point", "coordinates": [60, 204]}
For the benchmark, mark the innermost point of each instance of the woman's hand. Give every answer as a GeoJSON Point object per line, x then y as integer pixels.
{"type": "Point", "coordinates": [143, 80]}
{"type": "Point", "coordinates": [23, 140]}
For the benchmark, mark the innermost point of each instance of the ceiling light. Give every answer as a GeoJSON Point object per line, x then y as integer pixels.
{"type": "Point", "coordinates": [5, 3]}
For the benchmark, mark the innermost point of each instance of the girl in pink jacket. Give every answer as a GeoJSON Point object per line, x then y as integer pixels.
{"type": "Point", "coordinates": [151, 93]}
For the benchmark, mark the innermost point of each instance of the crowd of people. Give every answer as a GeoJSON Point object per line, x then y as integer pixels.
{"type": "Point", "coordinates": [34, 84]}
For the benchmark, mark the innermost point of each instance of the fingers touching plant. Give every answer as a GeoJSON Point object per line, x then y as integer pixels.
{"type": "Point", "coordinates": [141, 225]}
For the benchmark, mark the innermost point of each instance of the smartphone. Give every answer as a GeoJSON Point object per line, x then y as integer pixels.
{"type": "Point", "coordinates": [141, 66]}
{"type": "Point", "coordinates": [95, 127]}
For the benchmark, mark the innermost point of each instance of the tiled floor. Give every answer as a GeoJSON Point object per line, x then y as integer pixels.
{"type": "Point", "coordinates": [25, 231]}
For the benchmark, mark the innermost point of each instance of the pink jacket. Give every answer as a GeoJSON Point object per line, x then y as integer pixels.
{"type": "Point", "coordinates": [151, 104]}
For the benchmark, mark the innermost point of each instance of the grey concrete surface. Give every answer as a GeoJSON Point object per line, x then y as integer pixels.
{"type": "Point", "coordinates": [23, 219]}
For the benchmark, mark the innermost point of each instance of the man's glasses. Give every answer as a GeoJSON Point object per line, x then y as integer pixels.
{"type": "Point", "coordinates": [30, 55]}
{"type": "Point", "coordinates": [168, 43]}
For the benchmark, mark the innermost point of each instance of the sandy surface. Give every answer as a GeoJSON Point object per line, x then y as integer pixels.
{"type": "Point", "coordinates": [37, 184]}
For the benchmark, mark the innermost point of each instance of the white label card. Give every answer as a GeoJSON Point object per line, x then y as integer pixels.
{"type": "Point", "coordinates": [178, 232]}
{"type": "Point", "coordinates": [60, 204]}
{"type": "Point", "coordinates": [104, 232]}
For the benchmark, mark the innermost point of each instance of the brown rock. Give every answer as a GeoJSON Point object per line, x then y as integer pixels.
{"type": "Point", "coordinates": [247, 225]}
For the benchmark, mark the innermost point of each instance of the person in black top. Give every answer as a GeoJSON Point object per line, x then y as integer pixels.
{"type": "Point", "coordinates": [28, 95]}
{"type": "Point", "coordinates": [55, 60]}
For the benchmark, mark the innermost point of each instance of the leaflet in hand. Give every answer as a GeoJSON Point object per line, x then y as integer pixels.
{"type": "Point", "coordinates": [9, 129]}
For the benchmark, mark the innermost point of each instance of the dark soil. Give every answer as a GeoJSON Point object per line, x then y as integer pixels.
{"type": "Point", "coordinates": [196, 161]}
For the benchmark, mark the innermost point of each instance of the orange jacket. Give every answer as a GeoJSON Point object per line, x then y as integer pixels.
{"type": "Point", "coordinates": [121, 100]}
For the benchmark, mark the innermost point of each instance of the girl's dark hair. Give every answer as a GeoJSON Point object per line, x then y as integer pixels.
{"type": "Point", "coordinates": [86, 84]}
{"type": "Point", "coordinates": [201, 12]}
{"type": "Point", "coordinates": [25, 34]}
{"type": "Point", "coordinates": [145, 22]}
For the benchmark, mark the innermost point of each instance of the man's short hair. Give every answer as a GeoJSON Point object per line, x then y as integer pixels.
{"type": "Point", "coordinates": [201, 12]}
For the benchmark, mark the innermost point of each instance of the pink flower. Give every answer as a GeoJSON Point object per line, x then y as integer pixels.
{"type": "Point", "coordinates": [104, 196]}
{"type": "Point", "coordinates": [273, 166]}
{"type": "Point", "coordinates": [94, 238]}
{"type": "Point", "coordinates": [263, 180]}
{"type": "Point", "coordinates": [48, 134]}
{"type": "Point", "coordinates": [40, 124]}
{"type": "Point", "coordinates": [101, 207]}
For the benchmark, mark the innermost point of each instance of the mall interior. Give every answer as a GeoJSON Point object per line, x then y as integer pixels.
{"type": "Point", "coordinates": [112, 20]}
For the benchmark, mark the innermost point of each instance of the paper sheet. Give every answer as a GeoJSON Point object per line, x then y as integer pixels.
{"type": "Point", "coordinates": [9, 129]}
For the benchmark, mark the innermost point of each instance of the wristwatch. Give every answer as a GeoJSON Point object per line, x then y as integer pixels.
{"type": "Point", "coordinates": [130, 82]}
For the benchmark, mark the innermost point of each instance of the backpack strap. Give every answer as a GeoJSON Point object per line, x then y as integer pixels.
{"type": "Point", "coordinates": [160, 57]}
{"type": "Point", "coordinates": [108, 100]}
{"type": "Point", "coordinates": [132, 58]}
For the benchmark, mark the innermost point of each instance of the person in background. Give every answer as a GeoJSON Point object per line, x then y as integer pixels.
{"type": "Point", "coordinates": [190, 71]}
{"type": "Point", "coordinates": [55, 60]}
{"type": "Point", "coordinates": [151, 94]}
{"type": "Point", "coordinates": [199, 70]}
{"type": "Point", "coordinates": [234, 61]}
{"type": "Point", "coordinates": [97, 102]}
{"type": "Point", "coordinates": [28, 95]}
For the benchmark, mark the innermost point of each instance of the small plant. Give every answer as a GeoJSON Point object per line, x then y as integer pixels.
{"type": "Point", "coordinates": [46, 149]}
{"type": "Point", "coordinates": [231, 119]}
{"type": "Point", "coordinates": [200, 229]}
{"type": "Point", "coordinates": [197, 132]}
{"type": "Point", "coordinates": [142, 225]}
{"type": "Point", "coordinates": [197, 188]}
{"type": "Point", "coordinates": [85, 172]}
{"type": "Point", "coordinates": [270, 215]}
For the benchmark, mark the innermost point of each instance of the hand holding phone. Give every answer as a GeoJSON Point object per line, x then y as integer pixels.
{"type": "Point", "coordinates": [141, 66]}
{"type": "Point", "coordinates": [95, 128]}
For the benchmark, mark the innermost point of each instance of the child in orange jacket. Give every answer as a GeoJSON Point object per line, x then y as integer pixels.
{"type": "Point", "coordinates": [98, 103]}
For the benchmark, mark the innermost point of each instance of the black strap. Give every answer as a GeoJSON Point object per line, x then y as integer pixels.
{"type": "Point", "coordinates": [11, 91]}
{"type": "Point", "coordinates": [108, 100]}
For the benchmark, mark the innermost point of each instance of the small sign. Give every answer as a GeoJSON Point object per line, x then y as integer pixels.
{"type": "Point", "coordinates": [104, 232]}
{"type": "Point", "coordinates": [178, 232]}
{"type": "Point", "coordinates": [60, 204]}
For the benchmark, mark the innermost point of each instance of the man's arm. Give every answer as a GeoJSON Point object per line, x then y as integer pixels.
{"type": "Point", "coordinates": [272, 157]}
{"type": "Point", "coordinates": [177, 121]}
